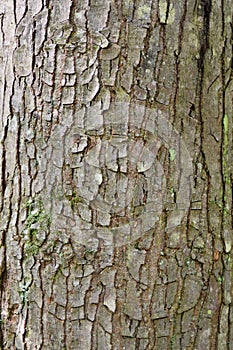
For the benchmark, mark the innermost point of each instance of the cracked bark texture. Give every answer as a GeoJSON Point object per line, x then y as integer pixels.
{"type": "Point", "coordinates": [64, 284]}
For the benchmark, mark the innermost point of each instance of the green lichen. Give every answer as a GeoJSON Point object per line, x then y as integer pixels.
{"type": "Point", "coordinates": [172, 342]}
{"type": "Point", "coordinates": [220, 279]}
{"type": "Point", "coordinates": [30, 249]}
{"type": "Point", "coordinates": [36, 214]}
{"type": "Point", "coordinates": [74, 200]}
{"type": "Point", "coordinates": [172, 154]}
{"type": "Point", "coordinates": [37, 222]}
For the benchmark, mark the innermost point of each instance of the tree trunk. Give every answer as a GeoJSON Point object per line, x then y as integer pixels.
{"type": "Point", "coordinates": [116, 175]}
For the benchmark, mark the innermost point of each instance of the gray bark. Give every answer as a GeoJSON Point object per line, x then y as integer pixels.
{"type": "Point", "coordinates": [116, 174]}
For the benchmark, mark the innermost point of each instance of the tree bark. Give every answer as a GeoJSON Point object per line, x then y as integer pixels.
{"type": "Point", "coordinates": [116, 174]}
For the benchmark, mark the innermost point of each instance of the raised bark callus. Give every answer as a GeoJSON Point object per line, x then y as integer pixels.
{"type": "Point", "coordinates": [116, 175]}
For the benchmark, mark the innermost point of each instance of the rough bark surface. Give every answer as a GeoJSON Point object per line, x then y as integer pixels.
{"type": "Point", "coordinates": [116, 174]}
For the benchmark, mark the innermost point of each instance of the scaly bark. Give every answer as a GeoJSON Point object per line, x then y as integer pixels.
{"type": "Point", "coordinates": [116, 174]}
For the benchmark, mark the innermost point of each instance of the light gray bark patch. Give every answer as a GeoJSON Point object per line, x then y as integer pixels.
{"type": "Point", "coordinates": [132, 305]}
{"type": "Point", "coordinates": [191, 294]}
{"type": "Point", "coordinates": [22, 59]}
